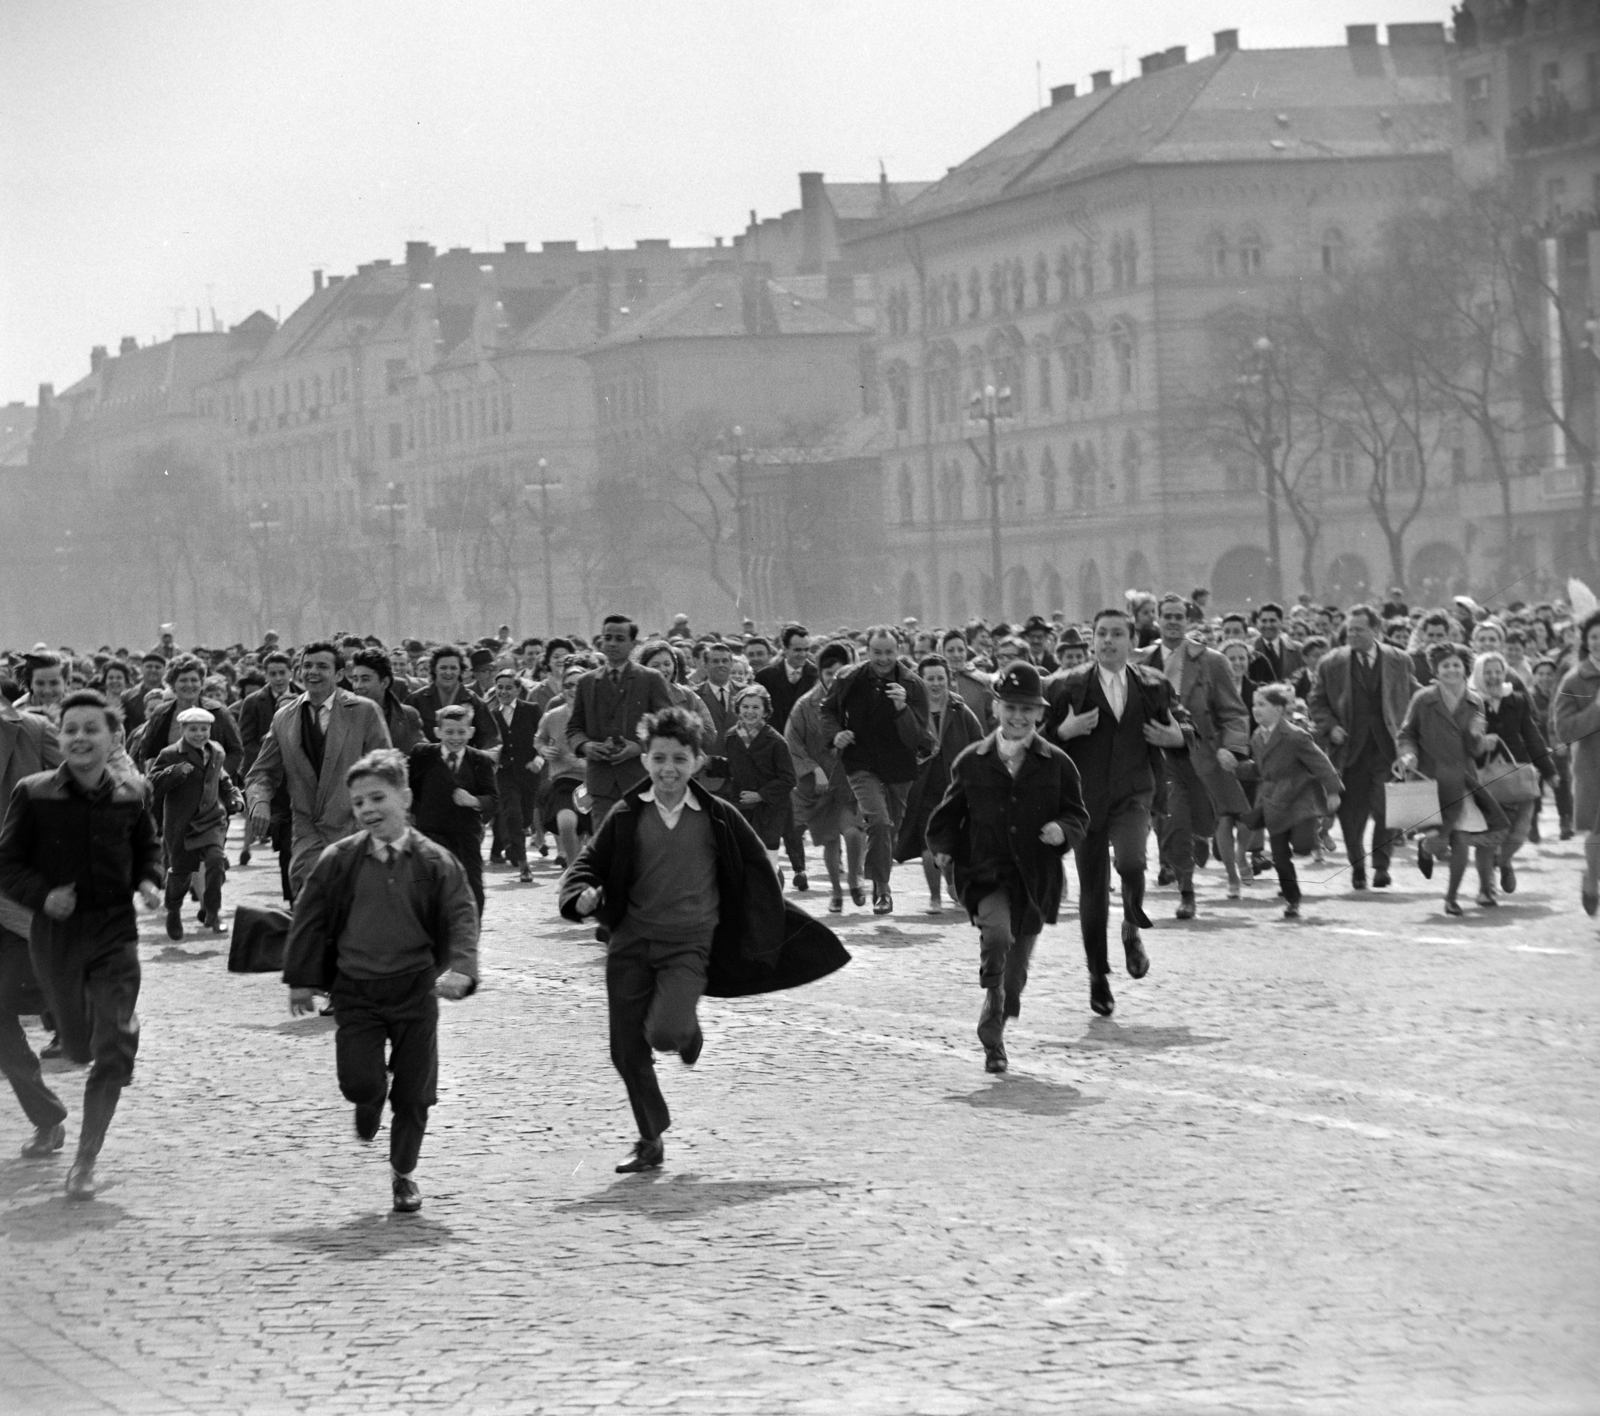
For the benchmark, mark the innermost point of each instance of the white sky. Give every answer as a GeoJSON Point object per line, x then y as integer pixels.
{"type": "Point", "coordinates": [162, 153]}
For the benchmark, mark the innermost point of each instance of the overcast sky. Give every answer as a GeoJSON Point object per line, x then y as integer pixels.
{"type": "Point", "coordinates": [158, 154]}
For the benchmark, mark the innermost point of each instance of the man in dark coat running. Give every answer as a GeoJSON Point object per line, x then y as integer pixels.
{"type": "Point", "coordinates": [1014, 807]}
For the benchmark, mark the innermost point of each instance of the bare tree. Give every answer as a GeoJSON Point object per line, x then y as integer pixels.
{"type": "Point", "coordinates": [695, 484]}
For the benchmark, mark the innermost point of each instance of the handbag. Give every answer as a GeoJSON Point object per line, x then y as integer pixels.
{"type": "Point", "coordinates": [1413, 805]}
{"type": "Point", "coordinates": [259, 937]}
{"type": "Point", "coordinates": [1509, 782]}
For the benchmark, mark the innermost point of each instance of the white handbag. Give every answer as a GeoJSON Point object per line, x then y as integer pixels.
{"type": "Point", "coordinates": [1413, 805]}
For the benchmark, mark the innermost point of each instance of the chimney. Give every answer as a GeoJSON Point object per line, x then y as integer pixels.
{"type": "Point", "coordinates": [1178, 54]}
{"type": "Point", "coordinates": [1226, 41]}
{"type": "Point", "coordinates": [1101, 78]}
{"type": "Point", "coordinates": [1429, 32]}
{"type": "Point", "coordinates": [47, 395]}
{"type": "Point", "coordinates": [419, 258]}
{"type": "Point", "coordinates": [1361, 36]}
{"type": "Point", "coordinates": [516, 248]}
{"type": "Point", "coordinates": [316, 282]}
{"type": "Point", "coordinates": [558, 247]}
{"type": "Point", "coordinates": [1151, 64]}
{"type": "Point", "coordinates": [97, 356]}
{"type": "Point", "coordinates": [1063, 93]}
{"type": "Point", "coordinates": [812, 219]}
{"type": "Point", "coordinates": [128, 345]}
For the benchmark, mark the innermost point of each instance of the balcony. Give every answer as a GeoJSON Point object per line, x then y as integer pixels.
{"type": "Point", "coordinates": [1551, 123]}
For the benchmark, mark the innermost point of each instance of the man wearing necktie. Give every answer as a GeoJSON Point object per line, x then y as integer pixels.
{"type": "Point", "coordinates": [606, 708]}
{"type": "Point", "coordinates": [453, 792]}
{"type": "Point", "coordinates": [1358, 703]}
{"type": "Point", "coordinates": [517, 774]}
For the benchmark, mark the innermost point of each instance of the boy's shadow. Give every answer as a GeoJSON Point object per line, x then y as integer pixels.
{"type": "Point", "coordinates": [369, 1237]}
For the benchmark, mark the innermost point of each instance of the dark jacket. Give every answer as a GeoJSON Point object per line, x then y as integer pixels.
{"type": "Point", "coordinates": [958, 730]}
{"type": "Point", "coordinates": [159, 733]}
{"type": "Point", "coordinates": [1513, 720]}
{"type": "Point", "coordinates": [889, 743]}
{"type": "Point", "coordinates": [775, 679]}
{"type": "Point", "coordinates": [1577, 723]}
{"type": "Point", "coordinates": [194, 805]}
{"type": "Point", "coordinates": [1330, 702]}
{"type": "Point", "coordinates": [517, 745]}
{"type": "Point", "coordinates": [256, 711]}
{"type": "Point", "coordinates": [1295, 774]}
{"type": "Point", "coordinates": [439, 891]}
{"type": "Point", "coordinates": [428, 703]}
{"type": "Point", "coordinates": [760, 943]}
{"type": "Point", "coordinates": [1448, 746]}
{"type": "Point", "coordinates": [402, 720]}
{"type": "Point", "coordinates": [432, 790]}
{"type": "Point", "coordinates": [55, 833]}
{"type": "Point", "coordinates": [989, 824]}
{"type": "Point", "coordinates": [720, 718]}
{"type": "Point", "coordinates": [764, 766]}
{"type": "Point", "coordinates": [601, 713]}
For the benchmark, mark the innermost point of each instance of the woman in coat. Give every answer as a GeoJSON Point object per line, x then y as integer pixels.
{"type": "Point", "coordinates": [760, 770]}
{"type": "Point", "coordinates": [955, 728]}
{"type": "Point", "coordinates": [1509, 716]}
{"type": "Point", "coordinates": [1298, 785]}
{"type": "Point", "coordinates": [563, 768]}
{"type": "Point", "coordinates": [666, 661]}
{"type": "Point", "coordinates": [1444, 738]}
{"type": "Point", "coordinates": [1577, 720]}
{"type": "Point", "coordinates": [823, 800]}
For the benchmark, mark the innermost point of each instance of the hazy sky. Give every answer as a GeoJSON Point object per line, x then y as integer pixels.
{"type": "Point", "coordinates": [158, 154]}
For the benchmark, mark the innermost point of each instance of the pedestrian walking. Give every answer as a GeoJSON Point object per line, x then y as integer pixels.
{"type": "Point", "coordinates": [194, 796]}
{"type": "Point", "coordinates": [607, 707]}
{"type": "Point", "coordinates": [1545, 683]}
{"type": "Point", "coordinates": [384, 927]}
{"type": "Point", "coordinates": [1013, 809]}
{"type": "Point", "coordinates": [370, 674]}
{"type": "Point", "coordinates": [453, 792]}
{"type": "Point", "coordinates": [786, 682]}
{"type": "Point", "coordinates": [823, 800]}
{"type": "Point", "coordinates": [77, 843]}
{"type": "Point", "coordinates": [516, 772]}
{"type": "Point", "coordinates": [955, 728]}
{"type": "Point", "coordinates": [761, 773]}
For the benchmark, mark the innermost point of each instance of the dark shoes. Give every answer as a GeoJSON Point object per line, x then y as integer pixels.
{"type": "Point", "coordinates": [47, 1140]}
{"type": "Point", "coordinates": [368, 1119]}
{"type": "Point", "coordinates": [525, 875]}
{"type": "Point", "coordinates": [80, 1179]}
{"type": "Point", "coordinates": [1186, 906]}
{"type": "Point", "coordinates": [1165, 877]}
{"type": "Point", "coordinates": [174, 924]}
{"type": "Point", "coordinates": [882, 900]}
{"type": "Point", "coordinates": [1452, 906]}
{"type": "Point", "coordinates": [647, 1155]}
{"type": "Point", "coordinates": [991, 1030]}
{"type": "Point", "coordinates": [1508, 878]}
{"type": "Point", "coordinates": [858, 896]}
{"type": "Point", "coordinates": [53, 1048]}
{"type": "Point", "coordinates": [497, 858]}
{"type": "Point", "coordinates": [1292, 910]}
{"type": "Point", "coordinates": [1486, 899]}
{"type": "Point", "coordinates": [1424, 861]}
{"type": "Point", "coordinates": [801, 884]}
{"type": "Point", "coordinates": [1380, 880]}
{"type": "Point", "coordinates": [1358, 878]}
{"type": "Point", "coordinates": [689, 1053]}
{"type": "Point", "coordinates": [407, 1197]}
{"type": "Point", "coordinates": [836, 902]}
{"type": "Point", "coordinates": [1591, 905]}
{"type": "Point", "coordinates": [244, 857]}
{"type": "Point", "coordinates": [1100, 998]}
{"type": "Point", "coordinates": [1133, 950]}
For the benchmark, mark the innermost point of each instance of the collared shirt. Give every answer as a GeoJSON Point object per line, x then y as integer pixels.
{"type": "Point", "coordinates": [1012, 752]}
{"type": "Point", "coordinates": [452, 760]}
{"type": "Point", "coordinates": [1115, 688]}
{"type": "Point", "coordinates": [670, 815]}
{"type": "Point", "coordinates": [1173, 662]}
{"type": "Point", "coordinates": [383, 851]}
{"type": "Point", "coordinates": [794, 674]}
{"type": "Point", "coordinates": [719, 693]}
{"type": "Point", "coordinates": [508, 711]}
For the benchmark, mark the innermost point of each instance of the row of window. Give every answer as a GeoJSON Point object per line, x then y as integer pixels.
{"type": "Point", "coordinates": [622, 400]}
{"type": "Point", "coordinates": [963, 492]}
{"type": "Point", "coordinates": [444, 419]}
{"type": "Point", "coordinates": [303, 460]}
{"type": "Point", "coordinates": [272, 400]}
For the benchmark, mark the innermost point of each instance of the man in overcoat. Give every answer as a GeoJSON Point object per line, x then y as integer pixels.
{"type": "Point", "coordinates": [606, 709]}
{"type": "Point", "coordinates": [1358, 704]}
{"type": "Point", "coordinates": [1013, 808]}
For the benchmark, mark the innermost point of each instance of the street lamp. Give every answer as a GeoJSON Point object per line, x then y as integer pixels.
{"type": "Point", "coordinates": [736, 490]}
{"type": "Point", "coordinates": [988, 407]}
{"type": "Point", "coordinates": [265, 523]}
{"type": "Point", "coordinates": [1257, 373]}
{"type": "Point", "coordinates": [544, 486]}
{"type": "Point", "coordinates": [396, 507]}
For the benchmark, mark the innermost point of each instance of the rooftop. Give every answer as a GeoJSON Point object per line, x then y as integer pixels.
{"type": "Point", "coordinates": [733, 305]}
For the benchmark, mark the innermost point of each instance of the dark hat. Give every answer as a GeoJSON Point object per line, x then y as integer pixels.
{"type": "Point", "coordinates": [1040, 623]}
{"type": "Point", "coordinates": [1070, 639]}
{"type": "Point", "coordinates": [481, 659]}
{"type": "Point", "coordinates": [413, 646]}
{"type": "Point", "coordinates": [1020, 684]}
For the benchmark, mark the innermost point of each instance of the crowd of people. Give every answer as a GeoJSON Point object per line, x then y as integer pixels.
{"type": "Point", "coordinates": [676, 778]}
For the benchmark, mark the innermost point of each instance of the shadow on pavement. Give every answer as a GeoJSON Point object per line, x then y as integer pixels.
{"type": "Point", "coordinates": [314, 1026]}
{"type": "Point", "coordinates": [1029, 1095]}
{"type": "Point", "coordinates": [172, 954]}
{"type": "Point", "coordinates": [369, 1237]}
{"type": "Point", "coordinates": [883, 936]}
{"type": "Point", "coordinates": [685, 1196]}
{"type": "Point", "coordinates": [1143, 1037]}
{"type": "Point", "coordinates": [59, 1218]}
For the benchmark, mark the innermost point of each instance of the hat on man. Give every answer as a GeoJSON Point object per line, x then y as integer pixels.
{"type": "Point", "coordinates": [1070, 638]}
{"type": "Point", "coordinates": [1039, 623]}
{"type": "Point", "coordinates": [413, 646]}
{"type": "Point", "coordinates": [196, 715]}
{"type": "Point", "coordinates": [1020, 684]}
{"type": "Point", "coordinates": [481, 659]}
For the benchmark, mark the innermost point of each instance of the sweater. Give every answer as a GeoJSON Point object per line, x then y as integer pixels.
{"type": "Point", "coordinates": [673, 895]}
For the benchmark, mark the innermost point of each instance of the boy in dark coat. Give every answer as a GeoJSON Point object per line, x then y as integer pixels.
{"type": "Point", "coordinates": [693, 906]}
{"type": "Point", "coordinates": [384, 925]}
{"type": "Point", "coordinates": [1013, 809]}
{"type": "Point", "coordinates": [194, 796]}
{"type": "Point", "coordinates": [453, 786]}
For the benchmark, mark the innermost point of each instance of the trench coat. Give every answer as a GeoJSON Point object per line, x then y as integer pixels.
{"type": "Point", "coordinates": [1219, 716]}
{"type": "Point", "coordinates": [761, 943]}
{"type": "Point", "coordinates": [1295, 774]}
{"type": "Point", "coordinates": [1448, 746]}
{"type": "Point", "coordinates": [1576, 715]}
{"type": "Point", "coordinates": [958, 730]}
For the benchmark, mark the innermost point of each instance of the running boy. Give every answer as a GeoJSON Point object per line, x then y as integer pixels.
{"type": "Point", "coordinates": [194, 796]}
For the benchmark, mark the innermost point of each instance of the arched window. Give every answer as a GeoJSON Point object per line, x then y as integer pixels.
{"type": "Point", "coordinates": [1041, 280]}
{"type": "Point", "coordinates": [997, 289]}
{"type": "Point", "coordinates": [900, 396]}
{"type": "Point", "coordinates": [1116, 264]}
{"type": "Point", "coordinates": [1250, 253]}
{"type": "Point", "coordinates": [974, 294]}
{"type": "Point", "coordinates": [1131, 467]}
{"type": "Point", "coordinates": [1046, 376]}
{"type": "Point", "coordinates": [1086, 270]}
{"type": "Point", "coordinates": [1333, 260]}
{"type": "Point", "coordinates": [952, 488]}
{"type": "Point", "coordinates": [1130, 262]}
{"type": "Point", "coordinates": [1217, 254]}
{"type": "Point", "coordinates": [1085, 478]}
{"type": "Point", "coordinates": [952, 298]}
{"type": "Point", "coordinates": [1077, 358]}
{"type": "Point", "coordinates": [1065, 281]}
{"type": "Point", "coordinates": [1122, 354]}
{"type": "Point", "coordinates": [911, 595]}
{"type": "Point", "coordinates": [955, 599]}
{"type": "Point", "coordinates": [1049, 489]}
{"type": "Point", "coordinates": [1017, 486]}
{"type": "Point", "coordinates": [908, 497]}
{"type": "Point", "coordinates": [1020, 584]}
{"type": "Point", "coordinates": [1051, 591]}
{"type": "Point", "coordinates": [1019, 286]}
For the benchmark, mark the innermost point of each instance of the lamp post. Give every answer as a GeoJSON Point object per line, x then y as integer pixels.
{"type": "Point", "coordinates": [736, 490]}
{"type": "Point", "coordinates": [1258, 373]}
{"type": "Point", "coordinates": [395, 506]}
{"type": "Point", "coordinates": [987, 407]}
{"type": "Point", "coordinates": [265, 523]}
{"type": "Point", "coordinates": [544, 486]}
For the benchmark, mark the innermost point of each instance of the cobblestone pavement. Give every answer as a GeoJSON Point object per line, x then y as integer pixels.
{"type": "Point", "coordinates": [1350, 1164]}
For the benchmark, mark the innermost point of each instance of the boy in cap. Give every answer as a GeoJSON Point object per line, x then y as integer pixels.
{"type": "Point", "coordinates": [1013, 809]}
{"type": "Point", "coordinates": [194, 796]}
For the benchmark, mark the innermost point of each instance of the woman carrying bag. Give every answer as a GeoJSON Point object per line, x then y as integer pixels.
{"type": "Point", "coordinates": [1509, 716]}
{"type": "Point", "coordinates": [1444, 738]}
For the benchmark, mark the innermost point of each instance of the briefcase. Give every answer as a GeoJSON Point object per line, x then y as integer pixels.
{"type": "Point", "coordinates": [1509, 782]}
{"type": "Point", "coordinates": [259, 936]}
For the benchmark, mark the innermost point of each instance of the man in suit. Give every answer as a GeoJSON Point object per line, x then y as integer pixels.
{"type": "Point", "coordinates": [1040, 636]}
{"type": "Point", "coordinates": [28, 744]}
{"type": "Point", "coordinates": [606, 709]}
{"type": "Point", "coordinates": [453, 793]}
{"type": "Point", "coordinates": [152, 669]}
{"type": "Point", "coordinates": [717, 695]}
{"type": "Point", "coordinates": [1436, 628]}
{"type": "Point", "coordinates": [1114, 718]}
{"type": "Point", "coordinates": [256, 713]}
{"type": "Point", "coordinates": [371, 674]}
{"type": "Point", "coordinates": [445, 668]}
{"type": "Point", "coordinates": [1197, 779]}
{"type": "Point", "coordinates": [787, 680]}
{"type": "Point", "coordinates": [315, 738]}
{"type": "Point", "coordinates": [517, 773]}
{"type": "Point", "coordinates": [1357, 704]}
{"type": "Point", "coordinates": [1274, 658]}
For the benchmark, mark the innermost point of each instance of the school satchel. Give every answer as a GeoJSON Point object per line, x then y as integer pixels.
{"type": "Point", "coordinates": [1509, 782]}
{"type": "Point", "coordinates": [259, 937]}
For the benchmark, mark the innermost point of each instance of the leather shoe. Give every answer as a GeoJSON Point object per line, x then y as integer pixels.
{"type": "Point", "coordinates": [836, 903]}
{"type": "Point", "coordinates": [1487, 901]}
{"type": "Point", "coordinates": [1165, 877]}
{"type": "Point", "coordinates": [1508, 878]}
{"type": "Point", "coordinates": [407, 1197]}
{"type": "Point", "coordinates": [1185, 907]}
{"type": "Point", "coordinates": [689, 1053]}
{"type": "Point", "coordinates": [53, 1048]}
{"type": "Point", "coordinates": [47, 1140]}
{"type": "Point", "coordinates": [1358, 880]}
{"type": "Point", "coordinates": [1453, 907]}
{"type": "Point", "coordinates": [368, 1119]}
{"type": "Point", "coordinates": [882, 902]}
{"type": "Point", "coordinates": [174, 924]}
{"type": "Point", "coordinates": [1424, 861]}
{"type": "Point", "coordinates": [647, 1155]}
{"type": "Point", "coordinates": [801, 884]}
{"type": "Point", "coordinates": [80, 1180]}
{"type": "Point", "coordinates": [1133, 948]}
{"type": "Point", "coordinates": [1292, 910]}
{"type": "Point", "coordinates": [1100, 998]}
{"type": "Point", "coordinates": [858, 896]}
{"type": "Point", "coordinates": [1591, 905]}
{"type": "Point", "coordinates": [525, 875]}
{"type": "Point", "coordinates": [1380, 880]}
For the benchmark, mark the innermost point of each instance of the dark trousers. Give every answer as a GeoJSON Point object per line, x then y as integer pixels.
{"type": "Point", "coordinates": [1283, 863]}
{"type": "Point", "coordinates": [1003, 957]}
{"type": "Point", "coordinates": [652, 990]}
{"type": "Point", "coordinates": [20, 994]}
{"type": "Point", "coordinates": [1189, 814]}
{"type": "Point", "coordinates": [182, 870]}
{"type": "Point", "coordinates": [467, 847]}
{"type": "Point", "coordinates": [883, 806]}
{"type": "Point", "coordinates": [1121, 837]}
{"type": "Point", "coordinates": [402, 1012]}
{"type": "Point", "coordinates": [511, 820]}
{"type": "Point", "coordinates": [88, 967]}
{"type": "Point", "coordinates": [1362, 800]}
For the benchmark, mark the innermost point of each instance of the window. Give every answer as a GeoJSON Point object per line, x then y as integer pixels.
{"type": "Point", "coordinates": [908, 498]}
{"type": "Point", "coordinates": [974, 294]}
{"type": "Point", "coordinates": [1019, 286]}
{"type": "Point", "coordinates": [394, 442]}
{"type": "Point", "coordinates": [1085, 477]}
{"type": "Point", "coordinates": [316, 390]}
{"type": "Point", "coordinates": [1130, 262]}
{"type": "Point", "coordinates": [1046, 393]}
{"type": "Point", "coordinates": [393, 371]}
{"type": "Point", "coordinates": [1404, 468]}
{"type": "Point", "coordinates": [997, 290]}
{"type": "Point", "coordinates": [1122, 353]}
{"type": "Point", "coordinates": [1342, 472]}
{"type": "Point", "coordinates": [1250, 255]}
{"type": "Point", "coordinates": [1017, 486]}
{"type": "Point", "coordinates": [1116, 264]}
{"type": "Point", "coordinates": [1041, 280]}
{"type": "Point", "coordinates": [1064, 272]}
{"type": "Point", "coordinates": [1132, 462]}
{"type": "Point", "coordinates": [1048, 479]}
{"type": "Point", "coordinates": [900, 398]}
{"type": "Point", "coordinates": [952, 492]}
{"type": "Point", "coordinates": [1333, 251]}
{"type": "Point", "coordinates": [1086, 271]}
{"type": "Point", "coordinates": [952, 298]}
{"type": "Point", "coordinates": [1217, 255]}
